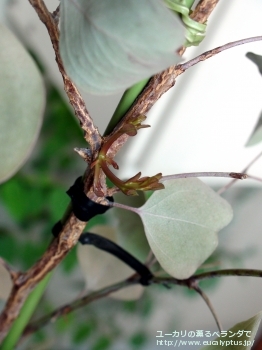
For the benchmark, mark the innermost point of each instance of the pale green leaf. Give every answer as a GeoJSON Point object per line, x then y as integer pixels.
{"type": "Point", "coordinates": [181, 224]}
{"type": "Point", "coordinates": [239, 337]}
{"type": "Point", "coordinates": [109, 45]}
{"type": "Point", "coordinates": [21, 104]}
{"type": "Point", "coordinates": [256, 135]}
{"type": "Point", "coordinates": [101, 269]}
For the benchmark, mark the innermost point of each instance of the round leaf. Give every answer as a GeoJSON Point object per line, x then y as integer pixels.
{"type": "Point", "coordinates": [181, 223]}
{"type": "Point", "coordinates": [102, 269]}
{"type": "Point", "coordinates": [21, 104]}
{"type": "Point", "coordinates": [109, 45]}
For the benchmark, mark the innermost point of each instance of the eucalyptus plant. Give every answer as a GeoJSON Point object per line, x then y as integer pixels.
{"type": "Point", "coordinates": [156, 230]}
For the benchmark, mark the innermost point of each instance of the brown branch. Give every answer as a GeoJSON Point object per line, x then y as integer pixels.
{"type": "Point", "coordinates": [203, 10]}
{"type": "Point", "coordinates": [159, 83]}
{"type": "Point", "coordinates": [208, 54]}
{"type": "Point", "coordinates": [209, 305]}
{"type": "Point", "coordinates": [190, 283]}
{"type": "Point", "coordinates": [226, 187]}
{"type": "Point", "coordinates": [92, 134]}
{"type": "Point", "coordinates": [25, 282]}
{"type": "Point", "coordinates": [167, 80]}
{"type": "Point", "coordinates": [207, 275]}
{"type": "Point", "coordinates": [66, 309]}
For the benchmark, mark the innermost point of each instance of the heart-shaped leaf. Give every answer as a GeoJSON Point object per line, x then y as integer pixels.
{"type": "Point", "coordinates": [108, 45]}
{"type": "Point", "coordinates": [21, 104]}
{"type": "Point", "coordinates": [181, 224]}
{"type": "Point", "coordinates": [102, 269]}
{"type": "Point", "coordinates": [239, 337]}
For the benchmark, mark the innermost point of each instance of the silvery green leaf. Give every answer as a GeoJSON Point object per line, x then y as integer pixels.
{"type": "Point", "coordinates": [108, 45]}
{"type": "Point", "coordinates": [22, 100]}
{"type": "Point", "coordinates": [181, 224]}
{"type": "Point", "coordinates": [239, 337]}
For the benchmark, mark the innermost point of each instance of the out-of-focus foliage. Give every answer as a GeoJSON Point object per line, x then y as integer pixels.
{"type": "Point", "coordinates": [239, 337]}
{"type": "Point", "coordinates": [22, 100]}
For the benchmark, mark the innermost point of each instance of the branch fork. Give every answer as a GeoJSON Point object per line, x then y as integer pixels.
{"type": "Point", "coordinates": [130, 186]}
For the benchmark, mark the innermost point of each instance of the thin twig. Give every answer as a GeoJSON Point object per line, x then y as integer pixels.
{"type": "Point", "coordinates": [209, 305]}
{"type": "Point", "coordinates": [125, 207]}
{"type": "Point", "coordinates": [239, 176]}
{"type": "Point", "coordinates": [229, 272]}
{"type": "Point", "coordinates": [256, 178]}
{"type": "Point", "coordinates": [64, 310]}
{"type": "Point", "coordinates": [209, 274]}
{"type": "Point", "coordinates": [226, 187]}
{"type": "Point", "coordinates": [208, 54]}
{"type": "Point", "coordinates": [190, 282]}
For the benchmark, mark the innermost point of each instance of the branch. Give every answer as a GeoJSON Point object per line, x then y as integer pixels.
{"type": "Point", "coordinates": [256, 178]}
{"type": "Point", "coordinates": [235, 176]}
{"type": "Point", "coordinates": [209, 305]}
{"type": "Point", "coordinates": [92, 134]}
{"type": "Point", "coordinates": [226, 187]}
{"type": "Point", "coordinates": [203, 10]}
{"type": "Point", "coordinates": [205, 275]}
{"type": "Point", "coordinates": [160, 83]}
{"type": "Point", "coordinates": [66, 309]}
{"type": "Point", "coordinates": [24, 282]}
{"type": "Point", "coordinates": [190, 283]}
{"type": "Point", "coordinates": [208, 54]}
